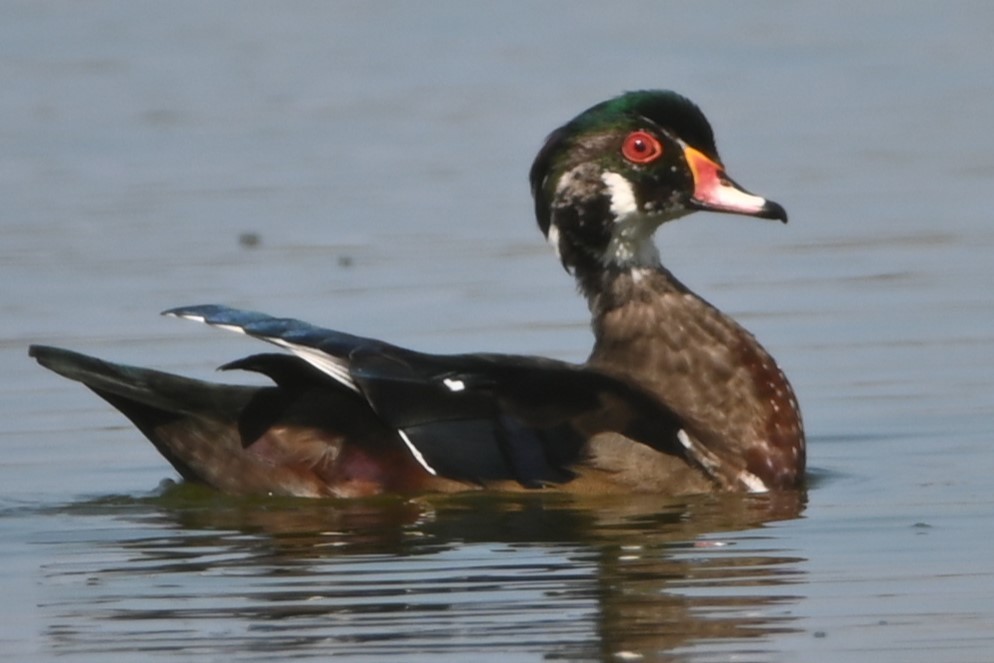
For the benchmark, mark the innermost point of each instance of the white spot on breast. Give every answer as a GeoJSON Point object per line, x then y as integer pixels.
{"type": "Point", "coordinates": [752, 483]}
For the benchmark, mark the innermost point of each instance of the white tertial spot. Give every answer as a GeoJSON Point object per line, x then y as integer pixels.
{"type": "Point", "coordinates": [681, 435]}
{"type": "Point", "coordinates": [454, 385]}
{"type": "Point", "coordinates": [417, 454]}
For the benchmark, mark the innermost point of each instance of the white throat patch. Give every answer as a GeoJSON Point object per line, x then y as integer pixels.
{"type": "Point", "coordinates": [631, 242]}
{"type": "Point", "coordinates": [553, 238]}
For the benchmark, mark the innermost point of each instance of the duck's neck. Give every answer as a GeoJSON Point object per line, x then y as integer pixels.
{"type": "Point", "coordinates": [643, 319]}
{"type": "Point", "coordinates": [615, 287]}
{"type": "Point", "coordinates": [652, 329]}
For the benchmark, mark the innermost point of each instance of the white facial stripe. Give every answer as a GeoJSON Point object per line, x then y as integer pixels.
{"type": "Point", "coordinates": [631, 242]}
{"type": "Point", "coordinates": [623, 201]}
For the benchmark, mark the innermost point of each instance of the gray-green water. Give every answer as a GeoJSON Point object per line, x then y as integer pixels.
{"type": "Point", "coordinates": [379, 151]}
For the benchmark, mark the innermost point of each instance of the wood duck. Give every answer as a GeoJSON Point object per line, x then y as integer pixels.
{"type": "Point", "coordinates": [675, 398]}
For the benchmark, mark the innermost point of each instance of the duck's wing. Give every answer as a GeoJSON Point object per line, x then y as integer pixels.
{"type": "Point", "coordinates": [470, 417]}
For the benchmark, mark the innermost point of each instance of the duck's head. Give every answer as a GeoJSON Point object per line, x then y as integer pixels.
{"type": "Point", "coordinates": [607, 179]}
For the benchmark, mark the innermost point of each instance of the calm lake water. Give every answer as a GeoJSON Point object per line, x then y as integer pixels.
{"type": "Point", "coordinates": [379, 151]}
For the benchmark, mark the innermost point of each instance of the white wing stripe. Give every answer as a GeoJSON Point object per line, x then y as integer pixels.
{"type": "Point", "coordinates": [417, 454]}
{"type": "Point", "coordinates": [335, 367]}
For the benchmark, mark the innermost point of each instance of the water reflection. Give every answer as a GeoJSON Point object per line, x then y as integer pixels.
{"type": "Point", "coordinates": [193, 572]}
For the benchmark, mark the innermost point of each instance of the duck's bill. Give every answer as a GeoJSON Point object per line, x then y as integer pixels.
{"type": "Point", "coordinates": [716, 192]}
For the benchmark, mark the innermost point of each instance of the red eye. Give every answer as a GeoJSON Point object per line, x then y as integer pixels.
{"type": "Point", "coordinates": [641, 147]}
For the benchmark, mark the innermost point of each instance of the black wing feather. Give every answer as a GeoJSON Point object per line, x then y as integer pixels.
{"type": "Point", "coordinates": [475, 417]}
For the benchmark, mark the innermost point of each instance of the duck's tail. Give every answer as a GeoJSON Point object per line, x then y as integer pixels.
{"type": "Point", "coordinates": [286, 439]}
{"type": "Point", "coordinates": [193, 424]}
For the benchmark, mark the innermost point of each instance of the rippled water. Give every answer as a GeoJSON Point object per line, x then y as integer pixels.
{"type": "Point", "coordinates": [193, 573]}
{"type": "Point", "coordinates": [378, 152]}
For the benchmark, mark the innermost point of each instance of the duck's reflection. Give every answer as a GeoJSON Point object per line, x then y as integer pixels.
{"type": "Point", "coordinates": [571, 578]}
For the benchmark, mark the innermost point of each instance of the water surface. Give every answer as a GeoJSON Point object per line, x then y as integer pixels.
{"type": "Point", "coordinates": [379, 153]}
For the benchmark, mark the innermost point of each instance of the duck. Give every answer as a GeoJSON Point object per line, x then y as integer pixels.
{"type": "Point", "coordinates": [676, 397]}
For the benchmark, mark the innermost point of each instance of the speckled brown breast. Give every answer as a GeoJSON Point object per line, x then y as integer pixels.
{"type": "Point", "coordinates": [736, 401]}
